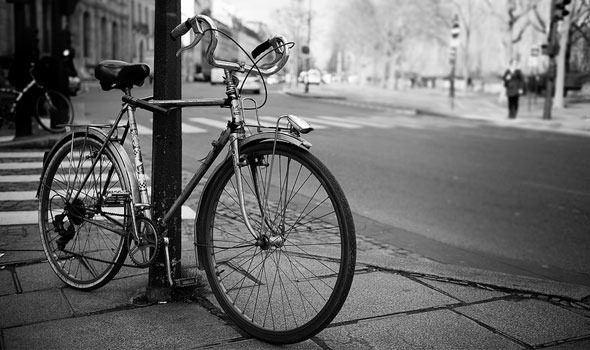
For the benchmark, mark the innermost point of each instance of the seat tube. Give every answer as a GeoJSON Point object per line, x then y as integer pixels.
{"type": "Point", "coordinates": [139, 168]}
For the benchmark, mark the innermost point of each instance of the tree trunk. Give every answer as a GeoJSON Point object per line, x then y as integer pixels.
{"type": "Point", "coordinates": [560, 78]}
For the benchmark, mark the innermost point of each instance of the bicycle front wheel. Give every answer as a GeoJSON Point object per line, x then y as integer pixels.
{"type": "Point", "coordinates": [83, 230]}
{"type": "Point", "coordinates": [289, 284]}
{"type": "Point", "coordinates": [53, 111]}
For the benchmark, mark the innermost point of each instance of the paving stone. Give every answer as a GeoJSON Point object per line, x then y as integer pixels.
{"type": "Point", "coordinates": [464, 293]}
{"type": "Point", "coordinates": [441, 329]}
{"type": "Point", "coordinates": [531, 321]}
{"type": "Point", "coordinates": [168, 326]}
{"type": "Point", "coordinates": [380, 293]}
{"type": "Point", "coordinates": [37, 277]}
{"type": "Point", "coordinates": [6, 283]}
{"type": "Point", "coordinates": [257, 344]}
{"type": "Point", "coordinates": [25, 238]}
{"type": "Point", "coordinates": [27, 308]}
{"type": "Point", "coordinates": [116, 293]}
{"type": "Point", "coordinates": [583, 344]}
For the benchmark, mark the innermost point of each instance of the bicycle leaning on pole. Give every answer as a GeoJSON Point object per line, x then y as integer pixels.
{"type": "Point", "coordinates": [274, 232]}
{"type": "Point", "coordinates": [52, 109]}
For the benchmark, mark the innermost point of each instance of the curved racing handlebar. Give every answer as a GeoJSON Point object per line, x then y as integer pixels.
{"type": "Point", "coordinates": [278, 44]}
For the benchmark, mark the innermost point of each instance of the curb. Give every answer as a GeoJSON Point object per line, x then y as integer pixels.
{"type": "Point", "coordinates": [30, 142]}
{"type": "Point", "coordinates": [315, 95]}
{"type": "Point", "coordinates": [485, 278]}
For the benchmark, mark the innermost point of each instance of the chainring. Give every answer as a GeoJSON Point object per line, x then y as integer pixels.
{"type": "Point", "coordinates": [144, 252]}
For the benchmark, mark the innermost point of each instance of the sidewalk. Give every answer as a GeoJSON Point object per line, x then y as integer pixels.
{"type": "Point", "coordinates": [574, 119]}
{"type": "Point", "coordinates": [397, 301]}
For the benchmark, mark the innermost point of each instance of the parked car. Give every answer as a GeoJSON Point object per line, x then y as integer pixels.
{"type": "Point", "coordinates": [312, 76]}
{"type": "Point", "coordinates": [253, 84]}
{"type": "Point", "coordinates": [217, 76]}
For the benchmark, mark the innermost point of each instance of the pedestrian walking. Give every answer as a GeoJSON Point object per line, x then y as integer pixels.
{"type": "Point", "coordinates": [514, 84]}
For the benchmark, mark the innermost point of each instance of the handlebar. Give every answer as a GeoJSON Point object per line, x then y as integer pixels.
{"type": "Point", "coordinates": [278, 44]}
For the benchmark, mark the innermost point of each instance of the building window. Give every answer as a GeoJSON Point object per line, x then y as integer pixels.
{"type": "Point", "coordinates": [86, 35]}
{"type": "Point", "coordinates": [115, 41]}
{"type": "Point", "coordinates": [105, 38]}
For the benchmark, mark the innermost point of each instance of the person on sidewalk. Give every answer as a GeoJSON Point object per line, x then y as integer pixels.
{"type": "Point", "coordinates": [514, 84]}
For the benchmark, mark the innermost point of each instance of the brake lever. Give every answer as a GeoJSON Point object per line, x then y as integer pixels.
{"type": "Point", "coordinates": [198, 30]}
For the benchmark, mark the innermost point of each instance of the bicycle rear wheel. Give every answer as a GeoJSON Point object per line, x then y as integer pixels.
{"type": "Point", "coordinates": [53, 111]}
{"type": "Point", "coordinates": [288, 286]}
{"type": "Point", "coordinates": [84, 235]}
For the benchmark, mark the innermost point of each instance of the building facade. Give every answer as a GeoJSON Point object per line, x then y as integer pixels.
{"type": "Point", "coordinates": [112, 29]}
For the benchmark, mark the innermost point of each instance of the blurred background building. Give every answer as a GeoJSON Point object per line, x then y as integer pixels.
{"type": "Point", "coordinates": [95, 30]}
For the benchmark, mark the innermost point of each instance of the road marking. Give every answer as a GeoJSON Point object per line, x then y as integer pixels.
{"type": "Point", "coordinates": [20, 178]}
{"type": "Point", "coordinates": [28, 165]}
{"type": "Point", "coordinates": [21, 154]}
{"type": "Point", "coordinates": [556, 189]}
{"type": "Point", "coordinates": [340, 124]}
{"type": "Point", "coordinates": [190, 129]}
{"type": "Point", "coordinates": [18, 218]}
{"type": "Point", "coordinates": [30, 217]}
{"type": "Point", "coordinates": [209, 122]}
{"type": "Point", "coordinates": [360, 120]}
{"type": "Point", "coordinates": [273, 121]}
{"type": "Point", "coordinates": [18, 196]}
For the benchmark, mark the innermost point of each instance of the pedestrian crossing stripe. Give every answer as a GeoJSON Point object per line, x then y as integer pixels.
{"type": "Point", "coordinates": [18, 196]}
{"type": "Point", "coordinates": [210, 122]}
{"type": "Point", "coordinates": [21, 154]}
{"type": "Point", "coordinates": [31, 217]}
{"type": "Point", "coordinates": [24, 165]}
{"type": "Point", "coordinates": [317, 122]}
{"type": "Point", "coordinates": [20, 178]}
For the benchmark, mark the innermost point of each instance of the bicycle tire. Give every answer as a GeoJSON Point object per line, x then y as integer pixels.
{"type": "Point", "coordinates": [307, 278]}
{"type": "Point", "coordinates": [53, 105]}
{"type": "Point", "coordinates": [84, 247]}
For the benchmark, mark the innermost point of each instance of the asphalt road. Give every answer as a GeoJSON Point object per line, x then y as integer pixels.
{"type": "Point", "coordinates": [452, 190]}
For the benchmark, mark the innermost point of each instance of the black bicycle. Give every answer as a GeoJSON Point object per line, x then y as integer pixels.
{"type": "Point", "coordinates": [52, 109]}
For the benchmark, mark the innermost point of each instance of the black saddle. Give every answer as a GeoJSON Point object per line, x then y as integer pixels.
{"type": "Point", "coordinates": [120, 75]}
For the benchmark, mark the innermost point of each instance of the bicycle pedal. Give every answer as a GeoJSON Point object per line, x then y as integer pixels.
{"type": "Point", "coordinates": [185, 282]}
{"type": "Point", "coordinates": [116, 198]}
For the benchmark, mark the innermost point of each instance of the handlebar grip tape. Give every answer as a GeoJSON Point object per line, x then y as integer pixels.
{"type": "Point", "coordinates": [180, 29]}
{"type": "Point", "coordinates": [261, 48]}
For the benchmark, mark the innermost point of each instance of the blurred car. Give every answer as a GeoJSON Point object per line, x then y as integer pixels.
{"type": "Point", "coordinates": [217, 75]}
{"type": "Point", "coordinates": [253, 84]}
{"type": "Point", "coordinates": [312, 76]}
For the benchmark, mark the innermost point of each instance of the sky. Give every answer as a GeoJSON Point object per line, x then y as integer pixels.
{"type": "Point", "coordinates": [264, 10]}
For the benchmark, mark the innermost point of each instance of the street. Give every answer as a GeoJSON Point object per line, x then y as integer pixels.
{"type": "Point", "coordinates": [455, 191]}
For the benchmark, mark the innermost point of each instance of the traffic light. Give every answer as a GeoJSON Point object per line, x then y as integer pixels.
{"type": "Point", "coordinates": [453, 55]}
{"type": "Point", "coordinates": [560, 10]}
{"type": "Point", "coordinates": [455, 29]}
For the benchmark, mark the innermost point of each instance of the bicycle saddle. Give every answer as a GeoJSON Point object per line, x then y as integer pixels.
{"type": "Point", "coordinates": [121, 75]}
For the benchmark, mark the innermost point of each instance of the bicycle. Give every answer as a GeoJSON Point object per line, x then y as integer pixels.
{"type": "Point", "coordinates": [52, 109]}
{"type": "Point", "coordinates": [273, 232]}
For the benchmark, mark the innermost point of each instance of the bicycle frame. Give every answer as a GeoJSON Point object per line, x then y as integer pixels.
{"type": "Point", "coordinates": [233, 134]}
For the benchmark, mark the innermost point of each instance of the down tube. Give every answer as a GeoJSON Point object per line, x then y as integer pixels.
{"type": "Point", "coordinates": [194, 181]}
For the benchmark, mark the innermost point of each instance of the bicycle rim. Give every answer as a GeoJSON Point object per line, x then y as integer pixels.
{"type": "Point", "coordinates": [54, 110]}
{"type": "Point", "coordinates": [83, 238]}
{"type": "Point", "coordinates": [288, 287]}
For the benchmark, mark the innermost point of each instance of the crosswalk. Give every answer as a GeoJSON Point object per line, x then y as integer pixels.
{"type": "Point", "coordinates": [200, 125]}
{"type": "Point", "coordinates": [19, 178]}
